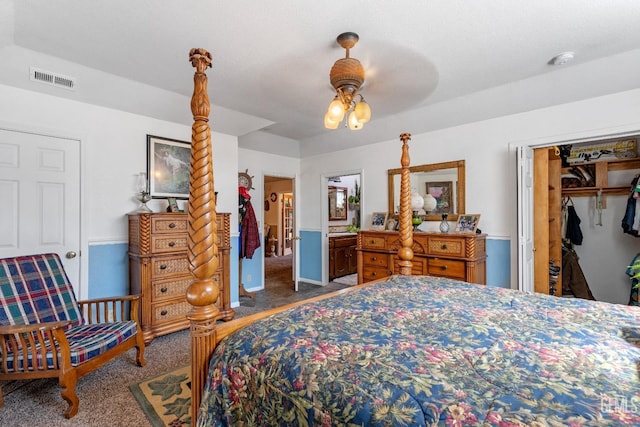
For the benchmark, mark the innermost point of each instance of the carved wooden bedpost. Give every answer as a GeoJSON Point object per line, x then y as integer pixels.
{"type": "Point", "coordinates": [203, 251]}
{"type": "Point", "coordinates": [405, 253]}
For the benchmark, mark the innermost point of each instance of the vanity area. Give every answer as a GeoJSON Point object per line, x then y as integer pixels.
{"type": "Point", "coordinates": [343, 258]}
{"type": "Point", "coordinates": [454, 255]}
{"type": "Point", "coordinates": [344, 219]}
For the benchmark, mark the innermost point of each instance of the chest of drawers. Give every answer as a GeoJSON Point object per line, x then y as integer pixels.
{"type": "Point", "coordinates": [458, 256]}
{"type": "Point", "coordinates": [159, 270]}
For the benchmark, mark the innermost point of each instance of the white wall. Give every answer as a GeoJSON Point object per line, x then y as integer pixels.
{"type": "Point", "coordinates": [113, 152]}
{"type": "Point", "coordinates": [490, 164]}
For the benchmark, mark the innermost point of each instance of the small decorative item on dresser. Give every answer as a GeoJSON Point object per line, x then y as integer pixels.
{"type": "Point", "coordinates": [468, 223]}
{"type": "Point", "coordinates": [444, 224]}
{"type": "Point", "coordinates": [173, 205]}
{"type": "Point", "coordinates": [378, 220]}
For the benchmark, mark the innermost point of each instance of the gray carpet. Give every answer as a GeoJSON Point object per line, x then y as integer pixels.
{"type": "Point", "coordinates": [105, 399]}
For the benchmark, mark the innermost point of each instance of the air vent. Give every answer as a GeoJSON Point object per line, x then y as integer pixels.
{"type": "Point", "coordinates": [53, 79]}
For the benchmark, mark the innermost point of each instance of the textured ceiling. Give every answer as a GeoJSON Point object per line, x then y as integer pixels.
{"type": "Point", "coordinates": [429, 64]}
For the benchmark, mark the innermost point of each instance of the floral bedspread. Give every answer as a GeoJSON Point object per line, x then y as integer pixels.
{"type": "Point", "coordinates": [417, 351]}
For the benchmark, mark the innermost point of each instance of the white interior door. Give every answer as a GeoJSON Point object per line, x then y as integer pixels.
{"type": "Point", "coordinates": [525, 218]}
{"type": "Point", "coordinates": [40, 190]}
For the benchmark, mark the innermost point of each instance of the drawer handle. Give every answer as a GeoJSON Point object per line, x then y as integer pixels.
{"type": "Point", "coordinates": [373, 274]}
{"type": "Point", "coordinates": [163, 290]}
{"type": "Point", "coordinates": [444, 246]}
{"type": "Point", "coordinates": [372, 242]}
{"type": "Point", "coordinates": [163, 267]}
{"type": "Point", "coordinates": [163, 313]}
{"type": "Point", "coordinates": [172, 225]}
{"type": "Point", "coordinates": [374, 258]}
{"type": "Point", "coordinates": [172, 244]}
{"type": "Point", "coordinates": [444, 267]}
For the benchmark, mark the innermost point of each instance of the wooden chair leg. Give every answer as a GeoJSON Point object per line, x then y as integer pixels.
{"type": "Point", "coordinates": [68, 383]}
{"type": "Point", "coordinates": [140, 361]}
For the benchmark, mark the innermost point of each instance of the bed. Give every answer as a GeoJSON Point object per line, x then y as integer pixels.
{"type": "Point", "coordinates": [407, 350]}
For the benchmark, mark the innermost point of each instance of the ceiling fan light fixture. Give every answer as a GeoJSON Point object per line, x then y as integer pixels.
{"type": "Point", "coordinates": [362, 111]}
{"type": "Point", "coordinates": [347, 77]}
{"type": "Point", "coordinates": [330, 123]}
{"type": "Point", "coordinates": [336, 109]}
{"type": "Point", "coordinates": [354, 124]}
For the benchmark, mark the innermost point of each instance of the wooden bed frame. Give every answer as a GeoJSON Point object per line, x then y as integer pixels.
{"type": "Point", "coordinates": [202, 294]}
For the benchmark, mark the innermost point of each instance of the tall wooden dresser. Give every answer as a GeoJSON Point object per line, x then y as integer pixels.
{"type": "Point", "coordinates": [459, 256]}
{"type": "Point", "coordinates": [159, 270]}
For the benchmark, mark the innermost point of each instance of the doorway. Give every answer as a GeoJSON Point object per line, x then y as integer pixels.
{"type": "Point", "coordinates": [40, 185]}
{"type": "Point", "coordinates": [605, 251]}
{"type": "Point", "coordinates": [279, 232]}
{"type": "Point", "coordinates": [341, 216]}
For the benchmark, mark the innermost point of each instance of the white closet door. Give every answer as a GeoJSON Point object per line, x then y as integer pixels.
{"type": "Point", "coordinates": [40, 193]}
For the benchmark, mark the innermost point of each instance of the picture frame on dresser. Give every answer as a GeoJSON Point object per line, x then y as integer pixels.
{"type": "Point", "coordinates": [467, 223]}
{"type": "Point", "coordinates": [379, 220]}
{"type": "Point", "coordinates": [168, 164]}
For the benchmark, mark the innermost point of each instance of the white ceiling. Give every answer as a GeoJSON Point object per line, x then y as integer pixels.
{"type": "Point", "coordinates": [429, 64]}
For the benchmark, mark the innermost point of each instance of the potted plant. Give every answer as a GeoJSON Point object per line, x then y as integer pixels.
{"type": "Point", "coordinates": [354, 199]}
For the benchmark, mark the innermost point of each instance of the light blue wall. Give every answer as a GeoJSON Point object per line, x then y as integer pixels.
{"type": "Point", "coordinates": [499, 263]}
{"type": "Point", "coordinates": [250, 267]}
{"type": "Point", "coordinates": [311, 255]}
{"type": "Point", "coordinates": [108, 270]}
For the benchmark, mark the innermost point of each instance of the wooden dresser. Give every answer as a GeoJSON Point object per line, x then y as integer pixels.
{"type": "Point", "coordinates": [159, 270]}
{"type": "Point", "coordinates": [454, 255]}
{"type": "Point", "coordinates": [342, 255]}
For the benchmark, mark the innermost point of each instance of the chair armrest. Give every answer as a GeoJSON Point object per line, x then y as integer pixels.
{"type": "Point", "coordinates": [18, 329]}
{"type": "Point", "coordinates": [33, 340]}
{"type": "Point", "coordinates": [113, 309]}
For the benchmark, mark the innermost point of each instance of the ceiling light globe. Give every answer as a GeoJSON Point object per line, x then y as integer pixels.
{"type": "Point", "coordinates": [329, 123]}
{"type": "Point", "coordinates": [363, 111]}
{"type": "Point", "coordinates": [354, 124]}
{"type": "Point", "coordinates": [336, 110]}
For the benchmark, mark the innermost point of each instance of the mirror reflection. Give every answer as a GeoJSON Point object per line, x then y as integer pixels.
{"type": "Point", "coordinates": [337, 203]}
{"type": "Point", "coordinates": [444, 181]}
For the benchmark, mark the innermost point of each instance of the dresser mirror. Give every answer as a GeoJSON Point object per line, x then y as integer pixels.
{"type": "Point", "coordinates": [337, 203]}
{"type": "Point", "coordinates": [445, 181]}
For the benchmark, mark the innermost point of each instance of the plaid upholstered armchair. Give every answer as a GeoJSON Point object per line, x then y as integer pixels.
{"type": "Point", "coordinates": [45, 332]}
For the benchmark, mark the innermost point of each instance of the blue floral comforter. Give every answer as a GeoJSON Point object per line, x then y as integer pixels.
{"type": "Point", "coordinates": [417, 351]}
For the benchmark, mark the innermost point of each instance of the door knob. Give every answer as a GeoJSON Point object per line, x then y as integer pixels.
{"type": "Point", "coordinates": [70, 254]}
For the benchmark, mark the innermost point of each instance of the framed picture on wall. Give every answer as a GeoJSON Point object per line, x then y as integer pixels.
{"type": "Point", "coordinates": [378, 220]}
{"type": "Point", "coordinates": [442, 191]}
{"type": "Point", "coordinates": [467, 223]}
{"type": "Point", "coordinates": [168, 164]}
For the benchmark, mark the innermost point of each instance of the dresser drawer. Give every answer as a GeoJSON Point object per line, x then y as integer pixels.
{"type": "Point", "coordinates": [377, 242]}
{"type": "Point", "coordinates": [418, 266]}
{"type": "Point", "coordinates": [447, 246]}
{"type": "Point", "coordinates": [162, 243]}
{"type": "Point", "coordinates": [375, 259]}
{"type": "Point", "coordinates": [170, 288]}
{"type": "Point", "coordinates": [169, 266]}
{"type": "Point", "coordinates": [340, 242]}
{"type": "Point", "coordinates": [446, 268]}
{"type": "Point", "coordinates": [370, 273]}
{"type": "Point", "coordinates": [168, 312]}
{"type": "Point", "coordinates": [169, 224]}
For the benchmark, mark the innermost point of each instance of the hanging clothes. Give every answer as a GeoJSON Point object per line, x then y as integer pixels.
{"type": "Point", "coordinates": [635, 281]}
{"type": "Point", "coordinates": [631, 219]}
{"type": "Point", "coordinates": [573, 280]}
{"type": "Point", "coordinates": [249, 234]}
{"type": "Point", "coordinates": [574, 234]}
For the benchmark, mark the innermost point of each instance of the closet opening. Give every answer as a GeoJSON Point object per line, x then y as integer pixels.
{"type": "Point", "coordinates": [583, 194]}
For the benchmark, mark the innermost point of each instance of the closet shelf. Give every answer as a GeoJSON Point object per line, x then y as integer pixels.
{"type": "Point", "coordinates": [620, 190]}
